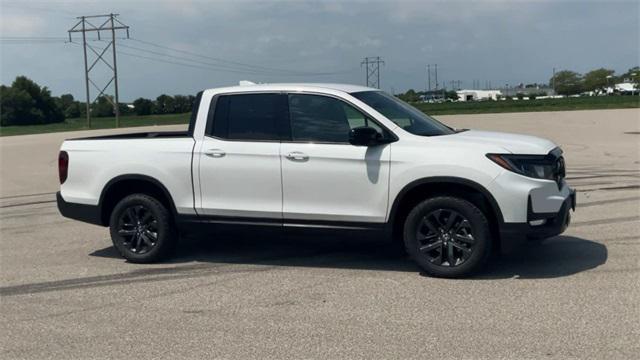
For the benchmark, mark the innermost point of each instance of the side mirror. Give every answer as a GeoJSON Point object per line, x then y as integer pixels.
{"type": "Point", "coordinates": [364, 136]}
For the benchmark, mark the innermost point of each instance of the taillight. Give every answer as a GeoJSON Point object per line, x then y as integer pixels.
{"type": "Point", "coordinates": [63, 166]}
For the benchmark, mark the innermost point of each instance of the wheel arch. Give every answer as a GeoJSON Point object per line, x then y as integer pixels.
{"type": "Point", "coordinates": [123, 185]}
{"type": "Point", "coordinates": [420, 189]}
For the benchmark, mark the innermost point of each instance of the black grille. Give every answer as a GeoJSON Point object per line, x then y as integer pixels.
{"type": "Point", "coordinates": [560, 171]}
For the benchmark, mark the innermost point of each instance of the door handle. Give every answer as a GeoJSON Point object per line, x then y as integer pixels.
{"type": "Point", "coordinates": [297, 156]}
{"type": "Point", "coordinates": [217, 153]}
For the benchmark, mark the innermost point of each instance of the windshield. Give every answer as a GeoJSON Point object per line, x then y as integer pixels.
{"type": "Point", "coordinates": [402, 114]}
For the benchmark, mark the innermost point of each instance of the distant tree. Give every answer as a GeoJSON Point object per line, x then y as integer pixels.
{"type": "Point", "coordinates": [183, 103]}
{"type": "Point", "coordinates": [125, 109]}
{"type": "Point", "coordinates": [102, 107]}
{"type": "Point", "coordinates": [410, 96]}
{"type": "Point", "coordinates": [70, 107]}
{"type": "Point", "coordinates": [165, 104]}
{"type": "Point", "coordinates": [143, 106]}
{"type": "Point", "coordinates": [25, 102]}
{"type": "Point", "coordinates": [598, 79]}
{"type": "Point", "coordinates": [74, 110]}
{"type": "Point", "coordinates": [452, 95]}
{"type": "Point", "coordinates": [567, 82]}
{"type": "Point", "coordinates": [632, 75]}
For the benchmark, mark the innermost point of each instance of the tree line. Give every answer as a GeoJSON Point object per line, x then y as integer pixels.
{"type": "Point", "coordinates": [567, 82]}
{"type": "Point", "coordinates": [25, 102]}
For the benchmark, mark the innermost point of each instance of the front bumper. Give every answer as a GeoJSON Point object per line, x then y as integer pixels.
{"type": "Point", "coordinates": [542, 225]}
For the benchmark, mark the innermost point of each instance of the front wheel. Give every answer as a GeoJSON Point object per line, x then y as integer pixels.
{"type": "Point", "coordinates": [447, 236]}
{"type": "Point", "coordinates": [141, 229]}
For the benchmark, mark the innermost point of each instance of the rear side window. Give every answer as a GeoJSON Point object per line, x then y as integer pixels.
{"type": "Point", "coordinates": [248, 116]}
{"type": "Point", "coordinates": [317, 118]}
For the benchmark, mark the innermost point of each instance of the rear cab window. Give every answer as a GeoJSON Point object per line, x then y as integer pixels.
{"type": "Point", "coordinates": [251, 117]}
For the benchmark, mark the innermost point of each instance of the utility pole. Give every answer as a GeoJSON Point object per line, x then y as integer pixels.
{"type": "Point", "coordinates": [372, 67]}
{"type": "Point", "coordinates": [86, 73]}
{"type": "Point", "coordinates": [436, 76]}
{"type": "Point", "coordinates": [553, 81]}
{"type": "Point", "coordinates": [85, 25]}
{"type": "Point", "coordinates": [435, 73]}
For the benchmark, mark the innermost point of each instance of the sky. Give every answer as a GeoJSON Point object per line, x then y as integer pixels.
{"type": "Point", "coordinates": [183, 46]}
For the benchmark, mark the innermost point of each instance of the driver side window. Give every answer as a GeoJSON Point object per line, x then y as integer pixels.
{"type": "Point", "coordinates": [316, 118]}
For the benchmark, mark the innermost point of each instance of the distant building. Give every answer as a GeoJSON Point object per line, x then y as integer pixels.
{"type": "Point", "coordinates": [624, 88]}
{"type": "Point", "coordinates": [476, 95]}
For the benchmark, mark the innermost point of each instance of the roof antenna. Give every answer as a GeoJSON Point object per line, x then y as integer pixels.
{"type": "Point", "coordinates": [246, 83]}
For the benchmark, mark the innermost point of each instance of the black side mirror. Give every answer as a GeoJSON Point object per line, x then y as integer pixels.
{"type": "Point", "coordinates": [364, 136]}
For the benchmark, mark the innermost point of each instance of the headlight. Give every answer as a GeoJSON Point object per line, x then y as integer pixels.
{"type": "Point", "coordinates": [550, 167]}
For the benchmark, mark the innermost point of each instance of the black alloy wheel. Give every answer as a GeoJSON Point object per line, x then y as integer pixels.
{"type": "Point", "coordinates": [138, 229]}
{"type": "Point", "coordinates": [142, 229]}
{"type": "Point", "coordinates": [445, 237]}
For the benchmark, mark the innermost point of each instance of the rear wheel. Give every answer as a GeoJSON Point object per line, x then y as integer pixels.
{"type": "Point", "coordinates": [447, 237]}
{"type": "Point", "coordinates": [141, 229]}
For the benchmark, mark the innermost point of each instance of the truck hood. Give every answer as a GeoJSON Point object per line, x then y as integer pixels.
{"type": "Point", "coordinates": [513, 143]}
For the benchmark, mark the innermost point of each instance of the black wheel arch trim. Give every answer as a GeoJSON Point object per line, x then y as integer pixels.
{"type": "Point", "coordinates": [139, 177]}
{"type": "Point", "coordinates": [445, 180]}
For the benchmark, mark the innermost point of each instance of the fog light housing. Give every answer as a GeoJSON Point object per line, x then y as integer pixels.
{"type": "Point", "coordinates": [537, 222]}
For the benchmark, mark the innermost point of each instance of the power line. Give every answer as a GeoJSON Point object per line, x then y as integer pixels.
{"type": "Point", "coordinates": [213, 66]}
{"type": "Point", "coordinates": [246, 65]}
{"type": "Point", "coordinates": [203, 67]}
{"type": "Point", "coordinates": [223, 65]}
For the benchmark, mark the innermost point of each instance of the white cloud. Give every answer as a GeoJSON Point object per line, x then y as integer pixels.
{"type": "Point", "coordinates": [21, 25]}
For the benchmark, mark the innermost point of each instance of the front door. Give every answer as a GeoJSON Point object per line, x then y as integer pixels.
{"type": "Point", "coordinates": [324, 177]}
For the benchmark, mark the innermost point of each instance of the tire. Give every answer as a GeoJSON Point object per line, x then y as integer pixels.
{"type": "Point", "coordinates": [142, 229]}
{"type": "Point", "coordinates": [459, 250]}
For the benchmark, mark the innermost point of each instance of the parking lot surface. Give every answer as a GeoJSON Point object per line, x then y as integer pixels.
{"type": "Point", "coordinates": [66, 294]}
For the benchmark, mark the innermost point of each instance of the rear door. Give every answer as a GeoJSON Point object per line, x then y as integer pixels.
{"type": "Point", "coordinates": [239, 165]}
{"type": "Point", "coordinates": [324, 177]}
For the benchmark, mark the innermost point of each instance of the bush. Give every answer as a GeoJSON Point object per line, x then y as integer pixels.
{"type": "Point", "coordinates": [26, 103]}
{"type": "Point", "coordinates": [143, 106]}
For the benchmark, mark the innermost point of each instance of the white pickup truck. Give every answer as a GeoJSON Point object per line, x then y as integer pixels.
{"type": "Point", "coordinates": [319, 157]}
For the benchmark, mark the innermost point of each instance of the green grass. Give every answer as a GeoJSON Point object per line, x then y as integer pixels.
{"type": "Point", "coordinates": [478, 107]}
{"type": "Point", "coordinates": [96, 123]}
{"type": "Point", "coordinates": [564, 104]}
